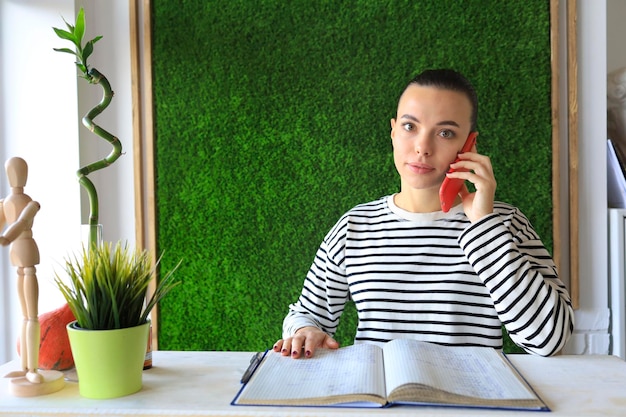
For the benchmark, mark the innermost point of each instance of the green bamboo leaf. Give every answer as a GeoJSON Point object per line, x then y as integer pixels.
{"type": "Point", "coordinates": [87, 51]}
{"type": "Point", "coordinates": [63, 34]}
{"type": "Point", "coordinates": [66, 50]}
{"type": "Point", "coordinates": [69, 26]}
{"type": "Point", "coordinates": [79, 30]}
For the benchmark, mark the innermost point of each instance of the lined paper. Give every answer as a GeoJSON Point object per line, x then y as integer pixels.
{"type": "Point", "coordinates": [466, 371]}
{"type": "Point", "coordinates": [346, 371]}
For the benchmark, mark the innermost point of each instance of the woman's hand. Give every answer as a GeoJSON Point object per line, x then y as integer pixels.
{"type": "Point", "coordinates": [305, 341]}
{"type": "Point", "coordinates": [480, 173]}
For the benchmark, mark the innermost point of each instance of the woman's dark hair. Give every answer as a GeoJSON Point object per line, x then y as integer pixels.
{"type": "Point", "coordinates": [448, 79]}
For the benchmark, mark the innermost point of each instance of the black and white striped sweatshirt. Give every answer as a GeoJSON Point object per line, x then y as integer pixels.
{"type": "Point", "coordinates": [436, 277]}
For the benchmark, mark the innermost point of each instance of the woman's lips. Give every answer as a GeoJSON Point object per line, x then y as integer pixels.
{"type": "Point", "coordinates": [418, 168]}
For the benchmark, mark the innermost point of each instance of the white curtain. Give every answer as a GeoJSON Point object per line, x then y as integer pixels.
{"type": "Point", "coordinates": [38, 122]}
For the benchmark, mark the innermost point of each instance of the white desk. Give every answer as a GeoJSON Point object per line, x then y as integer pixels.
{"type": "Point", "coordinates": [204, 383]}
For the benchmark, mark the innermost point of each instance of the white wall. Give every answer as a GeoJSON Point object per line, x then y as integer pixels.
{"type": "Point", "coordinates": [39, 121]}
{"type": "Point", "coordinates": [36, 80]}
{"type": "Point", "coordinates": [616, 60]}
{"type": "Point", "coordinates": [592, 317]}
{"type": "Point", "coordinates": [616, 33]}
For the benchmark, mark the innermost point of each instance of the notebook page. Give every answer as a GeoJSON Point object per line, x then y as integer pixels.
{"type": "Point", "coordinates": [349, 370]}
{"type": "Point", "coordinates": [477, 372]}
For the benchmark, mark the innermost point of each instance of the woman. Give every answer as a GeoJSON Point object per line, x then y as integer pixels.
{"type": "Point", "coordinates": [415, 271]}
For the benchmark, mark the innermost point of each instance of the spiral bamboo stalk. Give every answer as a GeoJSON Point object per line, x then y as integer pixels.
{"type": "Point", "coordinates": [75, 35]}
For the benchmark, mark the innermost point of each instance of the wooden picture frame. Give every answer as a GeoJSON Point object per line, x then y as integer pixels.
{"type": "Point", "coordinates": [564, 139]}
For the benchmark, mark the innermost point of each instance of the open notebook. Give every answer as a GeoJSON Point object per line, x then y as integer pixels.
{"type": "Point", "coordinates": [401, 372]}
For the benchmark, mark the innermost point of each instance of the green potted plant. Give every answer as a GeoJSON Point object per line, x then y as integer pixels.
{"type": "Point", "coordinates": [107, 293]}
{"type": "Point", "coordinates": [107, 285]}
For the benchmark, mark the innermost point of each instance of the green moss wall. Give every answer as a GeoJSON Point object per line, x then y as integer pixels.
{"type": "Point", "coordinates": [272, 120]}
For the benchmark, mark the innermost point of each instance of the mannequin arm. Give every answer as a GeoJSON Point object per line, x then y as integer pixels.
{"type": "Point", "coordinates": [23, 222]}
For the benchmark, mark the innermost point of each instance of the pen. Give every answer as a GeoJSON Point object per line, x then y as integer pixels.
{"type": "Point", "coordinates": [254, 363]}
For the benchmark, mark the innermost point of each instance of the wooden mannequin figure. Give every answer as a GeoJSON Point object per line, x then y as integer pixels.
{"type": "Point", "coordinates": [18, 211]}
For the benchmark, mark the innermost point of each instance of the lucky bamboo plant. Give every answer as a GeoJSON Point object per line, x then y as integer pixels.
{"type": "Point", "coordinates": [75, 35]}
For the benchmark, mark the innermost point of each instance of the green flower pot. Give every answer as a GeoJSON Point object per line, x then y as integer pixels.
{"type": "Point", "coordinates": [109, 363]}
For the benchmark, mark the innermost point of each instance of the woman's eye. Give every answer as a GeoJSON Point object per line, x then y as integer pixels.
{"type": "Point", "coordinates": [408, 127]}
{"type": "Point", "coordinates": [446, 134]}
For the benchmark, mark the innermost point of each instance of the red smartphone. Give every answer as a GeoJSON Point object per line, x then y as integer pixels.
{"type": "Point", "coordinates": [451, 186]}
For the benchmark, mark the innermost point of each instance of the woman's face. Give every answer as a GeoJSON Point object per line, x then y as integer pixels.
{"type": "Point", "coordinates": [429, 130]}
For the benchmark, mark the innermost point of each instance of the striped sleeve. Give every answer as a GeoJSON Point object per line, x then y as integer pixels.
{"type": "Point", "coordinates": [325, 290]}
{"type": "Point", "coordinates": [521, 277]}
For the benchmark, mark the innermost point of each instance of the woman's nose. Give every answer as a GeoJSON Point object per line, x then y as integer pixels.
{"type": "Point", "coordinates": [423, 145]}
